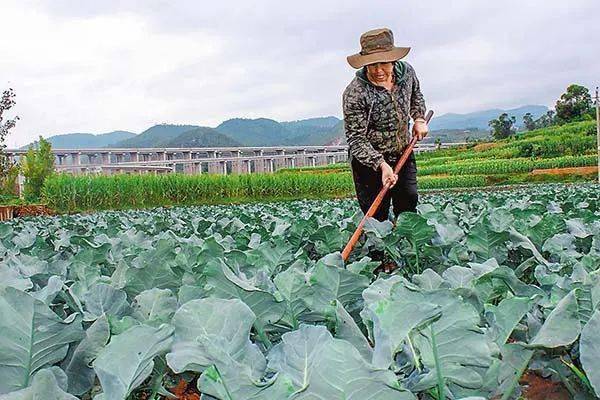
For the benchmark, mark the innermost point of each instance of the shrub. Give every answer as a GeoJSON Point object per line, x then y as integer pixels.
{"type": "Point", "coordinates": [37, 165]}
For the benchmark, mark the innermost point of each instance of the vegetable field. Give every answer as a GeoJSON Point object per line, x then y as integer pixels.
{"type": "Point", "coordinates": [254, 301]}
{"type": "Point", "coordinates": [507, 161]}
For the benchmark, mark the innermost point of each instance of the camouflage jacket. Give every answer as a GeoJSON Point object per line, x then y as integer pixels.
{"type": "Point", "coordinates": [376, 120]}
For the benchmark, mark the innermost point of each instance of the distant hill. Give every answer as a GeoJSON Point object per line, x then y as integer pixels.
{"type": "Point", "coordinates": [337, 135]}
{"type": "Point", "coordinates": [321, 136]}
{"type": "Point", "coordinates": [156, 136]}
{"type": "Point", "coordinates": [202, 137]}
{"type": "Point", "coordinates": [480, 119]}
{"type": "Point", "coordinates": [314, 131]}
{"type": "Point", "coordinates": [308, 127]}
{"type": "Point", "coordinates": [458, 135]}
{"type": "Point", "coordinates": [448, 127]}
{"type": "Point", "coordinates": [86, 140]}
{"type": "Point", "coordinates": [254, 132]}
{"type": "Point", "coordinates": [268, 132]}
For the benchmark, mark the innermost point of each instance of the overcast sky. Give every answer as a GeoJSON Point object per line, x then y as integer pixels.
{"type": "Point", "coordinates": [97, 66]}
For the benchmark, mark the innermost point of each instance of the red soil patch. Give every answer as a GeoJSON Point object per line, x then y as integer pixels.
{"type": "Point", "coordinates": [537, 388]}
{"type": "Point", "coordinates": [185, 391]}
{"type": "Point", "coordinates": [31, 210]}
{"type": "Point", "coordinates": [565, 171]}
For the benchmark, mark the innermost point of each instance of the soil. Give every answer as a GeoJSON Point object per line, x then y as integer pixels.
{"type": "Point", "coordinates": [484, 146]}
{"type": "Point", "coordinates": [20, 210]}
{"type": "Point", "coordinates": [566, 171]}
{"type": "Point", "coordinates": [185, 391]}
{"type": "Point", "coordinates": [387, 267]}
{"type": "Point", "coordinates": [32, 210]}
{"type": "Point", "coordinates": [7, 212]}
{"type": "Point", "coordinates": [537, 388]}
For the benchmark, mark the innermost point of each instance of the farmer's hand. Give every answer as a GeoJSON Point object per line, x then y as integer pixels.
{"type": "Point", "coordinates": [387, 175]}
{"type": "Point", "coordinates": [420, 129]}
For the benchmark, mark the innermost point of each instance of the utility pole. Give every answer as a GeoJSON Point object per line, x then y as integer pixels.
{"type": "Point", "coordinates": [598, 129]}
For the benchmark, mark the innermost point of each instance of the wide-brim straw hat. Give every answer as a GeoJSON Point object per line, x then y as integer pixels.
{"type": "Point", "coordinates": [377, 45]}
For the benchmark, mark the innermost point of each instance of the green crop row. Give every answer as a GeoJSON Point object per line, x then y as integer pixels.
{"type": "Point", "coordinates": [342, 166]}
{"type": "Point", "coordinates": [569, 139]}
{"type": "Point", "coordinates": [573, 139]}
{"type": "Point", "coordinates": [503, 166]}
{"type": "Point", "coordinates": [66, 192]}
{"type": "Point", "coordinates": [76, 193]}
{"type": "Point", "coordinates": [447, 182]}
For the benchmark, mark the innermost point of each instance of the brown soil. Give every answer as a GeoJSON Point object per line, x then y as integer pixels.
{"type": "Point", "coordinates": [537, 388]}
{"type": "Point", "coordinates": [565, 171]}
{"type": "Point", "coordinates": [32, 210]}
{"type": "Point", "coordinates": [387, 267]}
{"type": "Point", "coordinates": [484, 146]}
{"type": "Point", "coordinates": [185, 391]}
{"type": "Point", "coordinates": [7, 212]}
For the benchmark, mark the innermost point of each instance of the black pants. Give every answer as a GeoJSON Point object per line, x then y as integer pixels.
{"type": "Point", "coordinates": [403, 195]}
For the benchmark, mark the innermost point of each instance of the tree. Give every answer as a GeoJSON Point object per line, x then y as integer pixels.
{"type": "Point", "coordinates": [529, 122]}
{"type": "Point", "coordinates": [6, 103]}
{"type": "Point", "coordinates": [8, 171]}
{"type": "Point", "coordinates": [37, 165]}
{"type": "Point", "coordinates": [574, 104]}
{"type": "Point", "coordinates": [546, 120]}
{"type": "Point", "coordinates": [438, 143]}
{"type": "Point", "coordinates": [503, 126]}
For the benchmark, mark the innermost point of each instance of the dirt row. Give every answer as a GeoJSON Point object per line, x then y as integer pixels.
{"type": "Point", "coordinates": [29, 210]}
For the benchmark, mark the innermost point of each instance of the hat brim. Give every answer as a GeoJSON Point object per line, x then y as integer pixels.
{"type": "Point", "coordinates": [359, 60]}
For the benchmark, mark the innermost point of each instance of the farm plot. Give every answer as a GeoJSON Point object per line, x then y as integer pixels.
{"type": "Point", "coordinates": [254, 301]}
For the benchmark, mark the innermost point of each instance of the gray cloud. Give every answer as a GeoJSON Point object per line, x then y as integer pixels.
{"type": "Point", "coordinates": [99, 66]}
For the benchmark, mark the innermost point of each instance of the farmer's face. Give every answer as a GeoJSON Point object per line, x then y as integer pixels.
{"type": "Point", "coordinates": [380, 72]}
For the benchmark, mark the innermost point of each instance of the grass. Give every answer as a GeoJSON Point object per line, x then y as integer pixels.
{"type": "Point", "coordinates": [10, 200]}
{"type": "Point", "coordinates": [77, 193]}
{"type": "Point", "coordinates": [66, 193]}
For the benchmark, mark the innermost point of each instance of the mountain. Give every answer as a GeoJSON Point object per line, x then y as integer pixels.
{"type": "Point", "coordinates": [480, 119]}
{"type": "Point", "coordinates": [156, 136]}
{"type": "Point", "coordinates": [308, 126]}
{"type": "Point", "coordinates": [202, 137]}
{"type": "Point", "coordinates": [313, 131]}
{"type": "Point", "coordinates": [86, 140]}
{"type": "Point", "coordinates": [337, 135]}
{"type": "Point", "coordinates": [457, 135]}
{"type": "Point", "coordinates": [254, 132]}
{"type": "Point", "coordinates": [268, 132]}
{"type": "Point", "coordinates": [322, 136]}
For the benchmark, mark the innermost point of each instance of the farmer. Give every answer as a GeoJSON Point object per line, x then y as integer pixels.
{"type": "Point", "coordinates": [378, 105]}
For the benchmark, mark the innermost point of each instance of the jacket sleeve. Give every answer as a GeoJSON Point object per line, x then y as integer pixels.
{"type": "Point", "coordinates": [417, 102]}
{"type": "Point", "coordinates": [356, 113]}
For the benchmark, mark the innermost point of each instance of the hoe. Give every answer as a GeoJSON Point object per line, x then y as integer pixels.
{"type": "Point", "coordinates": [377, 202]}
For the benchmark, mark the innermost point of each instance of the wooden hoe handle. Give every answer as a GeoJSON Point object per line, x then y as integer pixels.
{"type": "Point", "coordinates": [377, 202]}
